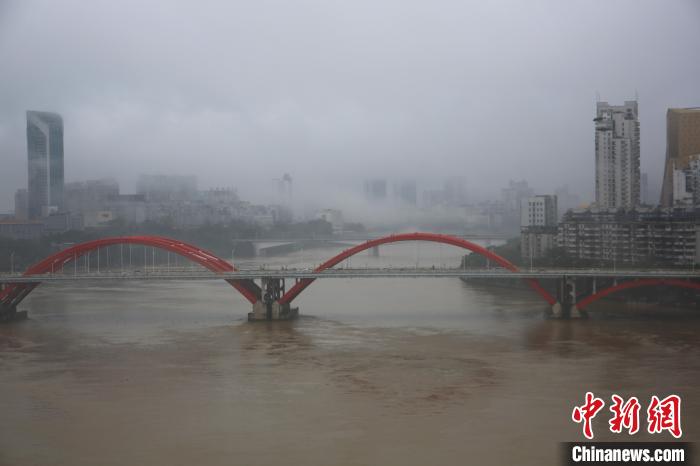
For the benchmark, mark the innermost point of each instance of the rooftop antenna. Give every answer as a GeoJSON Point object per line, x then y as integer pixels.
{"type": "Point", "coordinates": [597, 96]}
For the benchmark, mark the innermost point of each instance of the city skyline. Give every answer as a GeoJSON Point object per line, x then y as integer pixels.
{"type": "Point", "coordinates": [477, 83]}
{"type": "Point", "coordinates": [618, 178]}
{"type": "Point", "coordinates": [356, 189]}
{"type": "Point", "coordinates": [424, 188]}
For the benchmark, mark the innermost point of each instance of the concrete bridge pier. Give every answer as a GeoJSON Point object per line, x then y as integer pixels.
{"type": "Point", "coordinates": [9, 313]}
{"type": "Point", "coordinates": [272, 311]}
{"type": "Point", "coordinates": [269, 307]}
{"type": "Point", "coordinates": [565, 307]}
{"type": "Point", "coordinates": [571, 312]}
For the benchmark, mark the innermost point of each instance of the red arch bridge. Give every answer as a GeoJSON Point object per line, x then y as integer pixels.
{"type": "Point", "coordinates": [271, 300]}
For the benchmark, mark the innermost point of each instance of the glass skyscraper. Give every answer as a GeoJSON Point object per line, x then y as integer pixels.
{"type": "Point", "coordinates": [45, 163]}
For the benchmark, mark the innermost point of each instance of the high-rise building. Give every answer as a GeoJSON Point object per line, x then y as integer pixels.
{"type": "Point", "coordinates": [617, 155]}
{"type": "Point", "coordinates": [45, 163]}
{"type": "Point", "coordinates": [682, 142]}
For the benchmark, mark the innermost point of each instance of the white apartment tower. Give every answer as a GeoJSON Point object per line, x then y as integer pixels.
{"type": "Point", "coordinates": [617, 155]}
{"type": "Point", "coordinates": [539, 211]}
{"type": "Point", "coordinates": [538, 225]}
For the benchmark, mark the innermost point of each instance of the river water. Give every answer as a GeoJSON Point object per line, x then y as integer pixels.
{"type": "Point", "coordinates": [375, 372]}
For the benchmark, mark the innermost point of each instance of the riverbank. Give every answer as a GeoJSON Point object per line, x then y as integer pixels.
{"type": "Point", "coordinates": [643, 301]}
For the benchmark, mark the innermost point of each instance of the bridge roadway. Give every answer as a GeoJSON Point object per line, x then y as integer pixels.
{"type": "Point", "coordinates": [271, 300]}
{"type": "Point", "coordinates": [367, 237]}
{"type": "Point", "coordinates": [295, 273]}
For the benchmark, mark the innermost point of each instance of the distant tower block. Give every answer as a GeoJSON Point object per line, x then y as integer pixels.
{"type": "Point", "coordinates": [45, 163]}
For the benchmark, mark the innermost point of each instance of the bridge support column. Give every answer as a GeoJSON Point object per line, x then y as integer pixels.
{"type": "Point", "coordinates": [269, 307]}
{"type": "Point", "coordinates": [272, 311]}
{"type": "Point", "coordinates": [10, 313]}
{"type": "Point", "coordinates": [565, 307]}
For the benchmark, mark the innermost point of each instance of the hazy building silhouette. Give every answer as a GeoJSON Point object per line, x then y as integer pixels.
{"type": "Point", "coordinates": [375, 190]}
{"type": "Point", "coordinates": [433, 197]}
{"type": "Point", "coordinates": [90, 195]}
{"type": "Point", "coordinates": [332, 216]}
{"type": "Point", "coordinates": [406, 192]}
{"type": "Point", "coordinates": [455, 190]}
{"type": "Point", "coordinates": [682, 142]}
{"type": "Point", "coordinates": [513, 195]}
{"type": "Point", "coordinates": [21, 205]}
{"type": "Point", "coordinates": [45, 163]}
{"type": "Point", "coordinates": [283, 186]}
{"type": "Point", "coordinates": [163, 188]}
{"type": "Point", "coordinates": [566, 200]}
{"type": "Point", "coordinates": [617, 155]}
{"type": "Point", "coordinates": [644, 189]}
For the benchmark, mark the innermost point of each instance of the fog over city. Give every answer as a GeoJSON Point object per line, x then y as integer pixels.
{"type": "Point", "coordinates": [358, 232]}
{"type": "Point", "coordinates": [334, 93]}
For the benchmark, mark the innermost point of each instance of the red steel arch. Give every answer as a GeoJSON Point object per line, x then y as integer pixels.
{"type": "Point", "coordinates": [636, 284]}
{"type": "Point", "coordinates": [13, 294]}
{"type": "Point", "coordinates": [301, 285]}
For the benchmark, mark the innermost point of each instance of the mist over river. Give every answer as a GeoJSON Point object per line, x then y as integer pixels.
{"type": "Point", "coordinates": [375, 372]}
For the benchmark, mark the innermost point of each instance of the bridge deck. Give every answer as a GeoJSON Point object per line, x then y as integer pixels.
{"type": "Point", "coordinates": [160, 274]}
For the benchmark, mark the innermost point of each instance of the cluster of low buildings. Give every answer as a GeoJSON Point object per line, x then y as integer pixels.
{"type": "Point", "coordinates": [619, 227]}
{"type": "Point", "coordinates": [644, 235]}
{"type": "Point", "coordinates": [49, 205]}
{"type": "Point", "coordinates": [165, 199]}
{"type": "Point", "coordinates": [450, 203]}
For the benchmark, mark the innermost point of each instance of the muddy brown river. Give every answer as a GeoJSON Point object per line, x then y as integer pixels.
{"type": "Point", "coordinates": [375, 372]}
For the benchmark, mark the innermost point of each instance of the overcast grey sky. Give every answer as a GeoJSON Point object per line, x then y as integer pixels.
{"type": "Point", "coordinates": [239, 92]}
